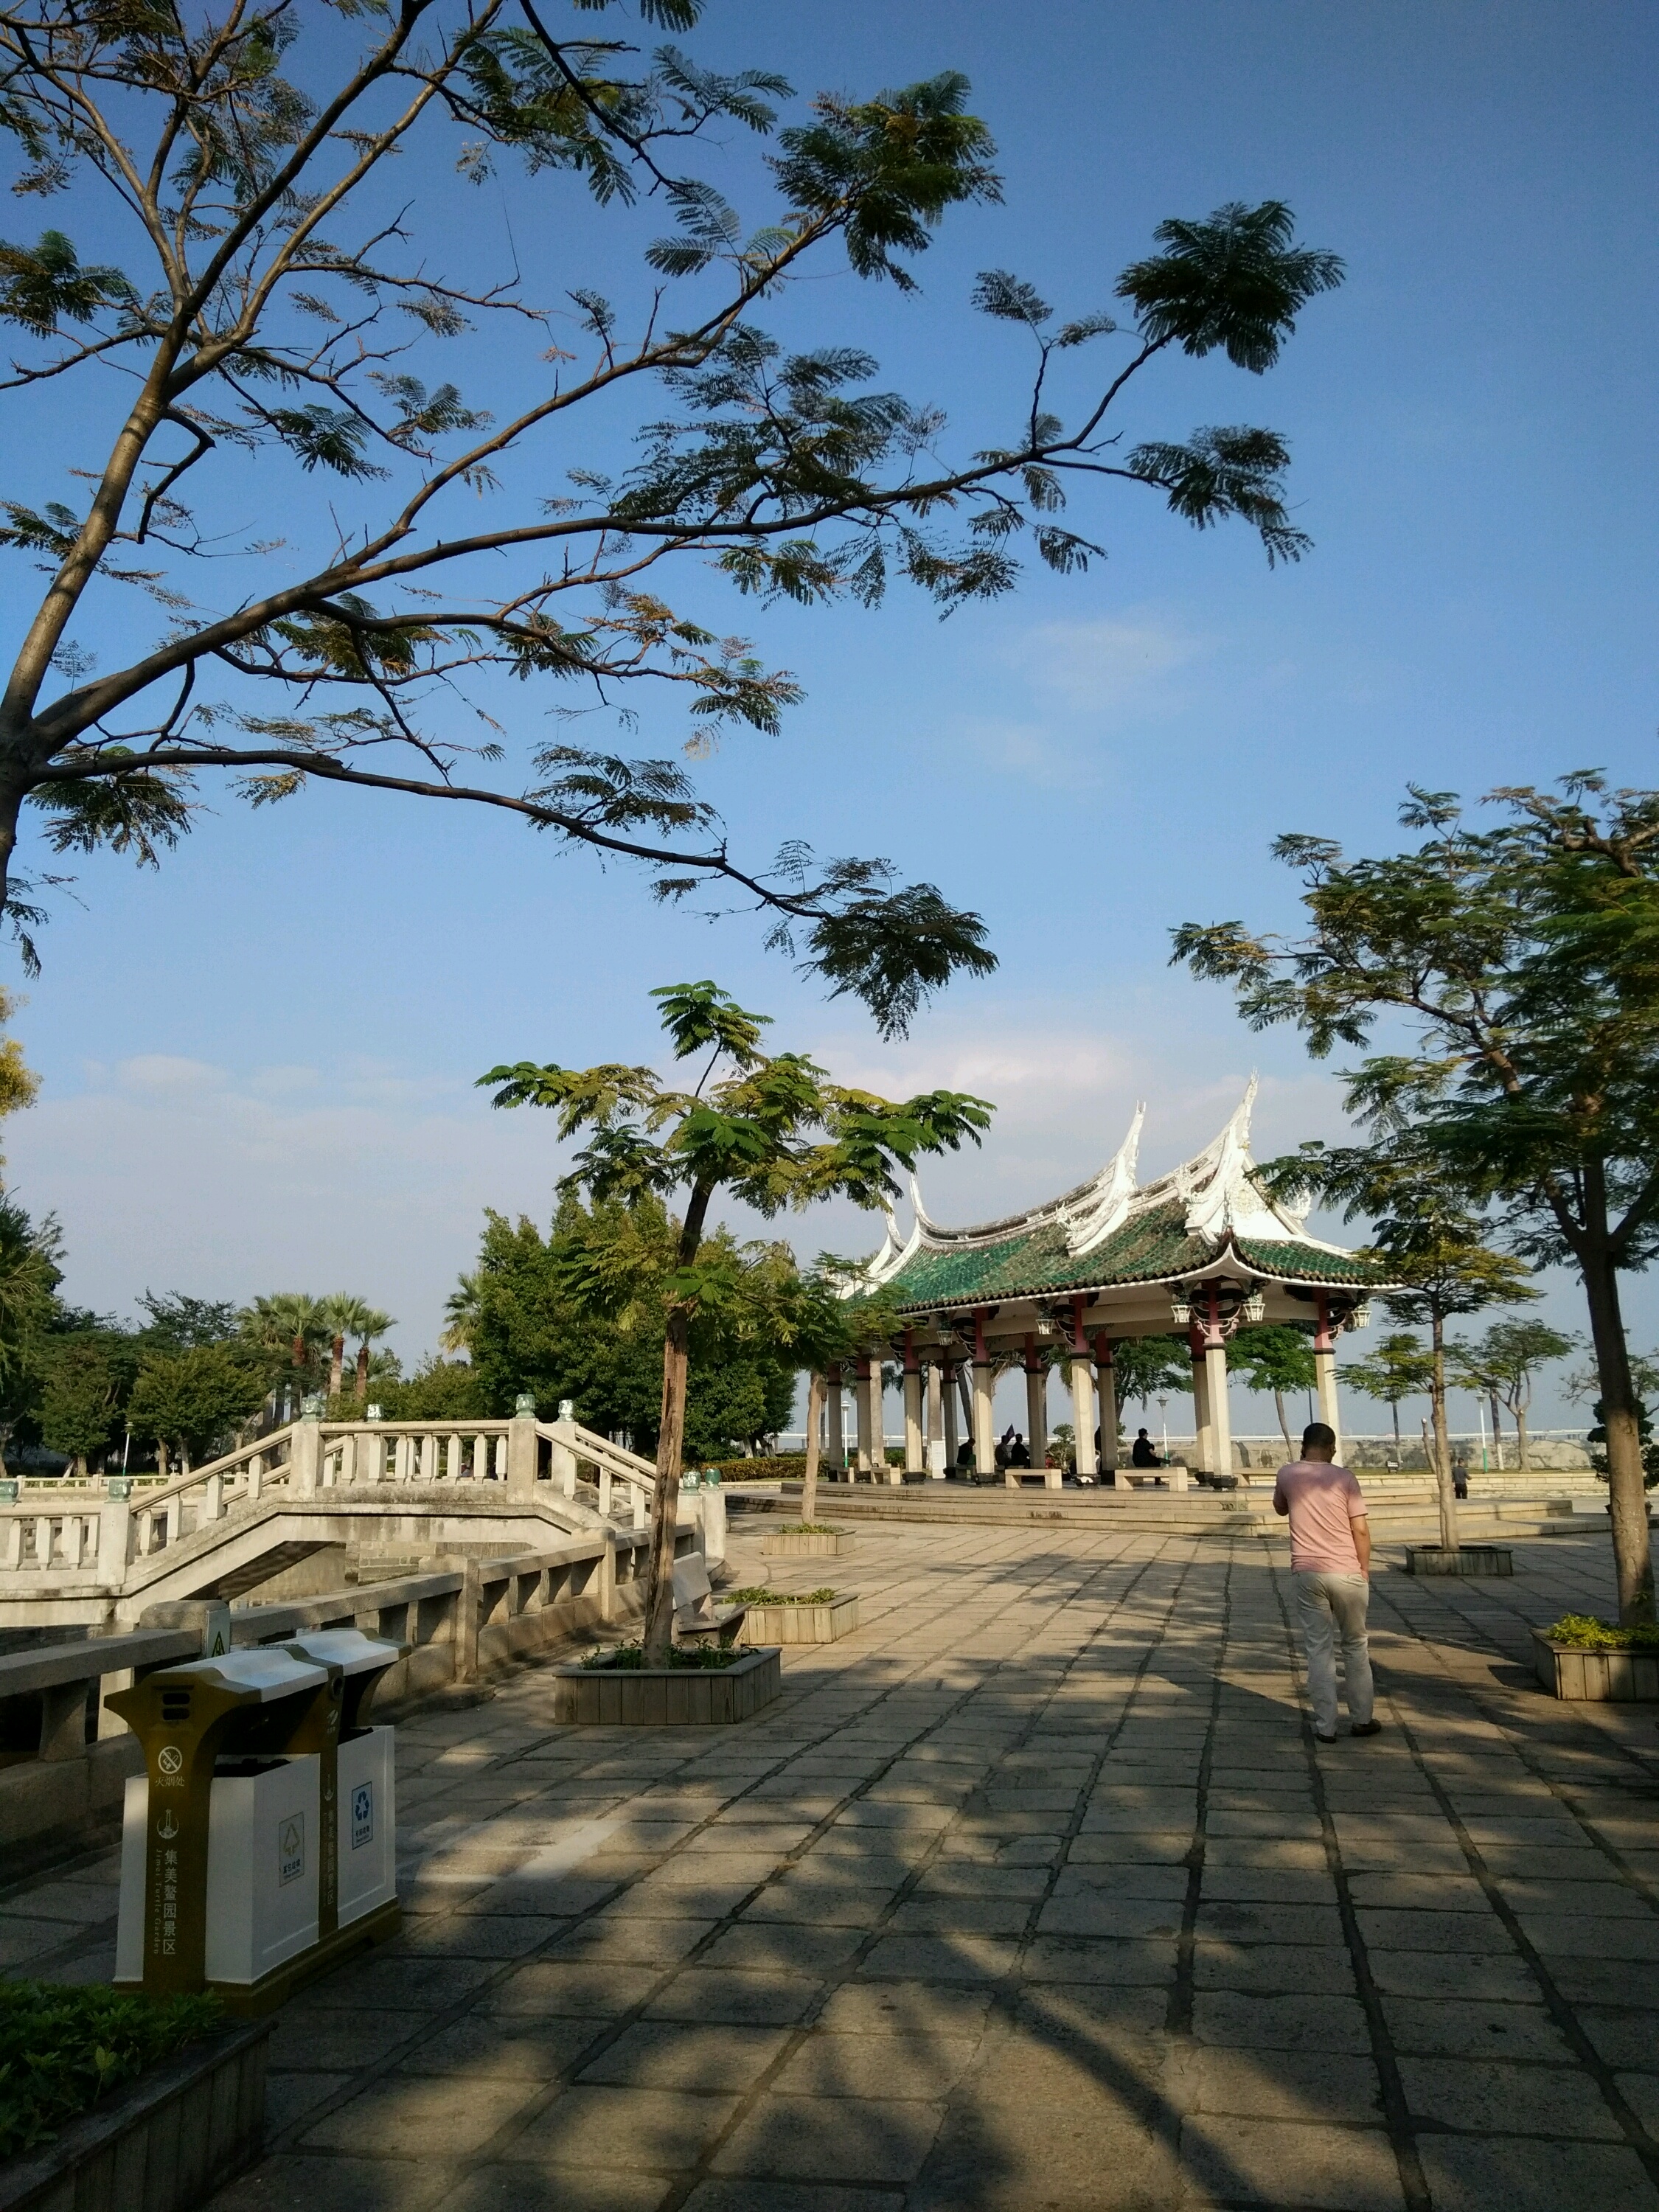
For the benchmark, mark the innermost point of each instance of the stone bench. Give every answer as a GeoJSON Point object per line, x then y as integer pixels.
{"type": "Point", "coordinates": [697, 1617]}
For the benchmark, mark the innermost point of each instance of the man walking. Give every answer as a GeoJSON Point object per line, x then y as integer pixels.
{"type": "Point", "coordinates": [1331, 1558]}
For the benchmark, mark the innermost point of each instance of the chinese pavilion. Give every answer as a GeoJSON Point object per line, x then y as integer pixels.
{"type": "Point", "coordinates": [1202, 1249]}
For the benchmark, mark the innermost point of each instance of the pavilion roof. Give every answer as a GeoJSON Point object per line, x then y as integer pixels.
{"type": "Point", "coordinates": [1113, 1232]}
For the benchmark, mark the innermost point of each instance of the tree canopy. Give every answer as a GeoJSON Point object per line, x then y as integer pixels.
{"type": "Point", "coordinates": [1519, 960]}
{"type": "Point", "coordinates": [451, 521]}
{"type": "Point", "coordinates": [772, 1131]}
{"type": "Point", "coordinates": [529, 1321]}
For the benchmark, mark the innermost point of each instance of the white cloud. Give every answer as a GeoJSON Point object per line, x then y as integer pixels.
{"type": "Point", "coordinates": [1115, 668]}
{"type": "Point", "coordinates": [161, 1070]}
{"type": "Point", "coordinates": [184, 1175]}
{"type": "Point", "coordinates": [1036, 755]}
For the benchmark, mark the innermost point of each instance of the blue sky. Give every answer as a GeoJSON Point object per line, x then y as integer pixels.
{"type": "Point", "coordinates": [259, 1063]}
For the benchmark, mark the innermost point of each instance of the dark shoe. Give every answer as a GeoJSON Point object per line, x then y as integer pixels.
{"type": "Point", "coordinates": [1321, 1737]}
{"type": "Point", "coordinates": [1366, 1728]}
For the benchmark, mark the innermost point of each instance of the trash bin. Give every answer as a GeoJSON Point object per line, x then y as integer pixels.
{"type": "Point", "coordinates": [358, 1863]}
{"type": "Point", "coordinates": [221, 1831]}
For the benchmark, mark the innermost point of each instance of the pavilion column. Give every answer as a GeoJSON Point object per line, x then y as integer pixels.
{"type": "Point", "coordinates": [877, 1422]}
{"type": "Point", "coordinates": [913, 1459]}
{"type": "Point", "coordinates": [1036, 1410]}
{"type": "Point", "coordinates": [1325, 1372]}
{"type": "Point", "coordinates": [936, 1396]}
{"type": "Point", "coordinates": [1106, 1401]}
{"type": "Point", "coordinates": [861, 1405]}
{"type": "Point", "coordinates": [1215, 1369]}
{"type": "Point", "coordinates": [1083, 1410]}
{"type": "Point", "coordinates": [1204, 1441]}
{"type": "Point", "coordinates": [835, 1445]}
{"type": "Point", "coordinates": [949, 1396]}
{"type": "Point", "coordinates": [985, 1443]}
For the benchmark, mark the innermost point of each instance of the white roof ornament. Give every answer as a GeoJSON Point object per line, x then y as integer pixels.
{"type": "Point", "coordinates": [886, 1263]}
{"type": "Point", "coordinates": [1089, 1219]}
{"type": "Point", "coordinates": [1222, 1194]}
{"type": "Point", "coordinates": [1085, 1217]}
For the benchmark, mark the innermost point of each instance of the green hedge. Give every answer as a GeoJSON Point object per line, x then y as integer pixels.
{"type": "Point", "coordinates": [61, 2048]}
{"type": "Point", "coordinates": [783, 1469]}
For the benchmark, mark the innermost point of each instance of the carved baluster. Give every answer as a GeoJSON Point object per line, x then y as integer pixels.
{"type": "Point", "coordinates": [454, 1451]}
{"type": "Point", "coordinates": [429, 1459]}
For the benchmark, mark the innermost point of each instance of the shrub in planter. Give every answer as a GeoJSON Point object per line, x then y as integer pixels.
{"type": "Point", "coordinates": [688, 1658]}
{"type": "Point", "coordinates": [1586, 1633]}
{"type": "Point", "coordinates": [62, 2048]}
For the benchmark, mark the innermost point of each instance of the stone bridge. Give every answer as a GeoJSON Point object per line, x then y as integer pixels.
{"type": "Point", "coordinates": [96, 1554]}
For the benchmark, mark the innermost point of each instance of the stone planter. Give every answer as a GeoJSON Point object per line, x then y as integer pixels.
{"type": "Point", "coordinates": [1597, 1677]}
{"type": "Point", "coordinates": [802, 1624]}
{"type": "Point", "coordinates": [1467, 1559]}
{"type": "Point", "coordinates": [666, 1697]}
{"type": "Point", "coordinates": [791, 1544]}
{"type": "Point", "coordinates": [162, 2143]}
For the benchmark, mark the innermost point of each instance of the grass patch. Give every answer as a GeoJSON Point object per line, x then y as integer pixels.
{"type": "Point", "coordinates": [764, 1596]}
{"type": "Point", "coordinates": [1586, 1633]}
{"type": "Point", "coordinates": [62, 2048]}
{"type": "Point", "coordinates": [807, 1529]}
{"type": "Point", "coordinates": [683, 1658]}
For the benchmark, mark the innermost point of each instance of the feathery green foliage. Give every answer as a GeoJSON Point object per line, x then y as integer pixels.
{"type": "Point", "coordinates": [271, 311]}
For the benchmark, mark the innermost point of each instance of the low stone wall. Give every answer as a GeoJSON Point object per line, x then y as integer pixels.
{"type": "Point", "coordinates": [462, 1622]}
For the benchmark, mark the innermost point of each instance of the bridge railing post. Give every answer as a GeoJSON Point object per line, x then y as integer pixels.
{"type": "Point", "coordinates": [305, 1451]}
{"type": "Point", "coordinates": [562, 1450]}
{"type": "Point", "coordinates": [115, 1530]}
{"type": "Point", "coordinates": [522, 1448]}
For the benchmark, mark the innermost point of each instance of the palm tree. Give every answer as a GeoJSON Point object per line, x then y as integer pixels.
{"type": "Point", "coordinates": [366, 1324]}
{"type": "Point", "coordinates": [290, 1321]}
{"type": "Point", "coordinates": [461, 1309]}
{"type": "Point", "coordinates": [341, 1315]}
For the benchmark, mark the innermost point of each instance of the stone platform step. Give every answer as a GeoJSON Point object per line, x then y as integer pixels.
{"type": "Point", "coordinates": [1194, 1512]}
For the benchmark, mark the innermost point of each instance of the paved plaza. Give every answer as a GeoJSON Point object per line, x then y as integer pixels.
{"type": "Point", "coordinates": [1036, 1893]}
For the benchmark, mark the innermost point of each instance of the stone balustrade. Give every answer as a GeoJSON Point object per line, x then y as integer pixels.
{"type": "Point", "coordinates": [67, 1543]}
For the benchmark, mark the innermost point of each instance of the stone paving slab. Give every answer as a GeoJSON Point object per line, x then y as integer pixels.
{"type": "Point", "coordinates": [1036, 1894]}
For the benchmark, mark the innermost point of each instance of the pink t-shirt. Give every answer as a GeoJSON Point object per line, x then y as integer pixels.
{"type": "Point", "coordinates": [1323, 1500]}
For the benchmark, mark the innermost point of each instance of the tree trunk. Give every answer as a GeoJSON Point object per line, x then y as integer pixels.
{"type": "Point", "coordinates": [1283, 1425]}
{"type": "Point", "coordinates": [664, 1502]}
{"type": "Point", "coordinates": [1632, 1559]}
{"type": "Point", "coordinates": [363, 1370]}
{"type": "Point", "coordinates": [809, 1488]}
{"type": "Point", "coordinates": [1522, 1458]}
{"type": "Point", "coordinates": [297, 1350]}
{"type": "Point", "coordinates": [1399, 1449]}
{"type": "Point", "coordinates": [161, 1457]}
{"type": "Point", "coordinates": [11, 805]}
{"type": "Point", "coordinates": [1442, 1442]}
{"type": "Point", "coordinates": [336, 1366]}
{"type": "Point", "coordinates": [1497, 1430]}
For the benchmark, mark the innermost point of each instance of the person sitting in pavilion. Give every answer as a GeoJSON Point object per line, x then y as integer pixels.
{"type": "Point", "coordinates": [1143, 1455]}
{"type": "Point", "coordinates": [1017, 1453]}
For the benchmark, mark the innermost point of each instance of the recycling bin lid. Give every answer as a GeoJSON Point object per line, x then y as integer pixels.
{"type": "Point", "coordinates": [349, 1649]}
{"type": "Point", "coordinates": [265, 1673]}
